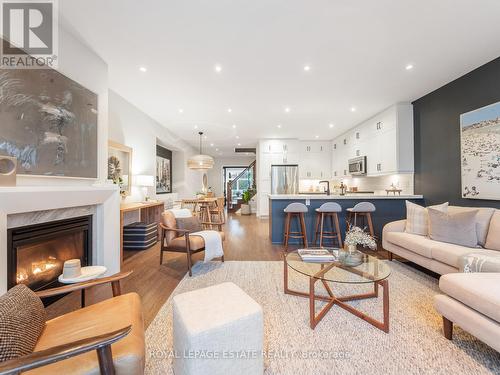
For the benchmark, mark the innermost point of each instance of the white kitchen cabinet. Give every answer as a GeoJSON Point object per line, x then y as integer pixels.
{"type": "Point", "coordinates": [315, 160]}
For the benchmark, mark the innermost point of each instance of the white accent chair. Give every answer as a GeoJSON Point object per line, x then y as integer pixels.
{"type": "Point", "coordinates": [213, 327]}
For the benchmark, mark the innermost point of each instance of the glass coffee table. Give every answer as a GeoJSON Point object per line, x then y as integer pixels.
{"type": "Point", "coordinates": [370, 271]}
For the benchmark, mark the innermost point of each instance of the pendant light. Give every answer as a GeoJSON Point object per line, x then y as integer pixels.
{"type": "Point", "coordinates": [200, 162]}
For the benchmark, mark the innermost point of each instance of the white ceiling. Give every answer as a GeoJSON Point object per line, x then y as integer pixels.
{"type": "Point", "coordinates": [357, 51]}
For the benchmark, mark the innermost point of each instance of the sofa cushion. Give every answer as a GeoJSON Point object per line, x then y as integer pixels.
{"type": "Point", "coordinates": [480, 291]}
{"type": "Point", "coordinates": [493, 238]}
{"type": "Point", "coordinates": [458, 228]}
{"type": "Point", "coordinates": [483, 219]}
{"type": "Point", "coordinates": [195, 242]}
{"type": "Point", "coordinates": [417, 221]}
{"type": "Point", "coordinates": [192, 224]}
{"type": "Point", "coordinates": [449, 253]}
{"type": "Point", "coordinates": [22, 320]}
{"type": "Point", "coordinates": [413, 242]}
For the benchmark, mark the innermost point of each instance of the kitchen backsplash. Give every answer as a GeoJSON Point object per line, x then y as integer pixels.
{"type": "Point", "coordinates": [375, 184]}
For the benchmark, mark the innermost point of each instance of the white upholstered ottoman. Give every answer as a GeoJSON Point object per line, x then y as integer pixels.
{"type": "Point", "coordinates": [217, 330]}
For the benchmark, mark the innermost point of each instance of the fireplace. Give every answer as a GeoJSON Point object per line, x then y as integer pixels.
{"type": "Point", "coordinates": [36, 253]}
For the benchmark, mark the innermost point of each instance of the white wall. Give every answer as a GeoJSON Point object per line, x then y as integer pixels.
{"type": "Point", "coordinates": [130, 126]}
{"type": "Point", "coordinates": [215, 174]}
{"type": "Point", "coordinates": [78, 62]}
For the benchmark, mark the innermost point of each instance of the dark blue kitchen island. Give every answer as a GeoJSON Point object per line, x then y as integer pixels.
{"type": "Point", "coordinates": [389, 208]}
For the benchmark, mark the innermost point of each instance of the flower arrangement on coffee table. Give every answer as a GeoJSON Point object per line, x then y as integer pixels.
{"type": "Point", "coordinates": [356, 236]}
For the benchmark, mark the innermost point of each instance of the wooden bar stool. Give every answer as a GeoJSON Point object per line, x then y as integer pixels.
{"type": "Point", "coordinates": [328, 210]}
{"type": "Point", "coordinates": [297, 210]}
{"type": "Point", "coordinates": [362, 211]}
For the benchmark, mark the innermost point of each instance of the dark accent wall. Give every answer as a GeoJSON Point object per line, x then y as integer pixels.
{"type": "Point", "coordinates": [437, 134]}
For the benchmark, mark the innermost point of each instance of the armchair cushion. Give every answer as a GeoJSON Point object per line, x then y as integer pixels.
{"type": "Point", "coordinates": [191, 224]}
{"type": "Point", "coordinates": [195, 242]}
{"type": "Point", "coordinates": [22, 320]}
{"type": "Point", "coordinates": [103, 317]}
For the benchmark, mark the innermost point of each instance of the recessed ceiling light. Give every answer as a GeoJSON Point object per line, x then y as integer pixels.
{"type": "Point", "coordinates": [409, 67]}
{"type": "Point", "coordinates": [239, 144]}
{"type": "Point", "coordinates": [143, 69]}
{"type": "Point", "coordinates": [206, 136]}
{"type": "Point", "coordinates": [287, 109]}
{"type": "Point", "coordinates": [279, 126]}
{"type": "Point", "coordinates": [237, 137]}
{"type": "Point", "coordinates": [331, 126]}
{"type": "Point", "coordinates": [181, 110]}
{"type": "Point", "coordinates": [211, 145]}
{"type": "Point", "coordinates": [196, 126]}
{"type": "Point", "coordinates": [316, 136]}
{"type": "Point", "coordinates": [353, 109]}
{"type": "Point", "coordinates": [216, 149]}
{"type": "Point", "coordinates": [229, 110]}
{"type": "Point", "coordinates": [234, 126]}
{"type": "Point", "coordinates": [218, 68]}
{"type": "Point", "coordinates": [307, 68]}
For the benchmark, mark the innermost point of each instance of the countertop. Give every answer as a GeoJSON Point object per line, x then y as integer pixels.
{"type": "Point", "coordinates": [347, 196]}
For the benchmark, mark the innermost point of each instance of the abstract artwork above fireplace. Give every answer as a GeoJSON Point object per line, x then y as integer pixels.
{"type": "Point", "coordinates": [480, 147]}
{"type": "Point", "coordinates": [49, 123]}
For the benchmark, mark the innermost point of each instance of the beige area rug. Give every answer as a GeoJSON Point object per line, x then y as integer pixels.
{"type": "Point", "coordinates": [345, 343]}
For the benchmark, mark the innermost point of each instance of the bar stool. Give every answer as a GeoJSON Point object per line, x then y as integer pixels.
{"type": "Point", "coordinates": [328, 210]}
{"type": "Point", "coordinates": [363, 210]}
{"type": "Point", "coordinates": [297, 210]}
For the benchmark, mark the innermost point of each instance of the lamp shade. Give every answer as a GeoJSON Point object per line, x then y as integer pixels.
{"type": "Point", "coordinates": [144, 180]}
{"type": "Point", "coordinates": [200, 162]}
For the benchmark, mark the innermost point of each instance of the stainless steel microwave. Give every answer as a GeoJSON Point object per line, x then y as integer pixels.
{"type": "Point", "coordinates": [357, 166]}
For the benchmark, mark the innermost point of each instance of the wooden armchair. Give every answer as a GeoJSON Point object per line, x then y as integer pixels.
{"type": "Point", "coordinates": [179, 240]}
{"type": "Point", "coordinates": [106, 337]}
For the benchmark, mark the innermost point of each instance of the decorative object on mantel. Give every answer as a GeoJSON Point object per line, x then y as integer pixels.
{"type": "Point", "coordinates": [200, 162]}
{"type": "Point", "coordinates": [480, 152]}
{"type": "Point", "coordinates": [354, 237]}
{"type": "Point", "coordinates": [120, 166]}
{"type": "Point", "coordinates": [144, 181]}
{"type": "Point", "coordinates": [8, 168]}
{"type": "Point", "coordinates": [74, 273]}
{"type": "Point", "coordinates": [163, 170]}
{"type": "Point", "coordinates": [49, 123]}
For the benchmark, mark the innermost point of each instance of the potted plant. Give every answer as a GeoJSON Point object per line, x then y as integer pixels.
{"type": "Point", "coordinates": [245, 206]}
{"type": "Point", "coordinates": [354, 237]}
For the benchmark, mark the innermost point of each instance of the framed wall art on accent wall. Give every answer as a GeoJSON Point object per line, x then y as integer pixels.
{"type": "Point", "coordinates": [120, 166]}
{"type": "Point", "coordinates": [480, 152]}
{"type": "Point", "coordinates": [49, 123]}
{"type": "Point", "coordinates": [163, 170]}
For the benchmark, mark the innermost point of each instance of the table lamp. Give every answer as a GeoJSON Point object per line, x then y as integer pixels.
{"type": "Point", "coordinates": [144, 181]}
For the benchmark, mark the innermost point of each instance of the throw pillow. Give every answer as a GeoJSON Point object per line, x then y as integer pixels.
{"type": "Point", "coordinates": [191, 224]}
{"type": "Point", "coordinates": [459, 228]}
{"type": "Point", "coordinates": [485, 261]}
{"type": "Point", "coordinates": [22, 320]}
{"type": "Point", "coordinates": [493, 238]}
{"type": "Point", "coordinates": [417, 218]}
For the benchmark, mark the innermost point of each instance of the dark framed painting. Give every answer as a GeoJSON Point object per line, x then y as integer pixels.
{"type": "Point", "coordinates": [163, 170]}
{"type": "Point", "coordinates": [48, 123]}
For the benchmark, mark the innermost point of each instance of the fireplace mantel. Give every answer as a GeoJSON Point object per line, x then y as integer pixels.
{"type": "Point", "coordinates": [106, 222]}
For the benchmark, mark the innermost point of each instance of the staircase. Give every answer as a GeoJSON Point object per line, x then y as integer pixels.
{"type": "Point", "coordinates": [245, 181]}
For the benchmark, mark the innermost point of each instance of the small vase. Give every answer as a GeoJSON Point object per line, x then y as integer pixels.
{"type": "Point", "coordinates": [352, 248]}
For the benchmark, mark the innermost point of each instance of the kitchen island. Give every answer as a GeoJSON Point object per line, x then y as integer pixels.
{"type": "Point", "coordinates": [389, 208]}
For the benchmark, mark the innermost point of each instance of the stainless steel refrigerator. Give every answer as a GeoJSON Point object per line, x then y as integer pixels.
{"type": "Point", "coordinates": [285, 179]}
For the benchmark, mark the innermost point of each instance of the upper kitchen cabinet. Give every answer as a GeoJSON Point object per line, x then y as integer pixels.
{"type": "Point", "coordinates": [386, 140]}
{"type": "Point", "coordinates": [315, 160]}
{"type": "Point", "coordinates": [279, 146]}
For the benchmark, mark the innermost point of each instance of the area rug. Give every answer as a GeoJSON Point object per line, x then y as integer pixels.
{"type": "Point", "coordinates": [341, 343]}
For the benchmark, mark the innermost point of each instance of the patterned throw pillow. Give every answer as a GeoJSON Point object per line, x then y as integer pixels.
{"type": "Point", "coordinates": [417, 217]}
{"type": "Point", "coordinates": [486, 261]}
{"type": "Point", "coordinates": [191, 224]}
{"type": "Point", "coordinates": [22, 320]}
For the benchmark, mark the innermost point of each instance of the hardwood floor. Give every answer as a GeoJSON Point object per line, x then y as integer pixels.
{"type": "Point", "coordinates": [247, 239]}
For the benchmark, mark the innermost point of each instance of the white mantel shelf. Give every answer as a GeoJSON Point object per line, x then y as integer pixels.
{"type": "Point", "coordinates": [106, 221]}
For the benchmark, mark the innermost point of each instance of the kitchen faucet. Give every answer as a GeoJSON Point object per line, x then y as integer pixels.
{"type": "Point", "coordinates": [327, 186]}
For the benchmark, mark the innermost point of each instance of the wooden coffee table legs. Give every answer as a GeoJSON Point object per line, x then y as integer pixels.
{"type": "Point", "coordinates": [331, 300]}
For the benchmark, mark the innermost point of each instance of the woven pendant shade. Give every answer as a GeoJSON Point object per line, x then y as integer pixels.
{"type": "Point", "coordinates": [200, 162]}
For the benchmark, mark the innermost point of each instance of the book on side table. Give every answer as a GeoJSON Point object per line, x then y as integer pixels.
{"type": "Point", "coordinates": [316, 255]}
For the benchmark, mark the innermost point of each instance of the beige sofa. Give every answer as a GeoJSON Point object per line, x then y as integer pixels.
{"type": "Point", "coordinates": [470, 300]}
{"type": "Point", "coordinates": [439, 257]}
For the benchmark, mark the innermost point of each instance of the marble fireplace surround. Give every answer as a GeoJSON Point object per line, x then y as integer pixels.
{"type": "Point", "coordinates": [27, 205]}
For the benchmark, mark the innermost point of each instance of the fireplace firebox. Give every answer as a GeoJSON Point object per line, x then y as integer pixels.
{"type": "Point", "coordinates": [36, 253]}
